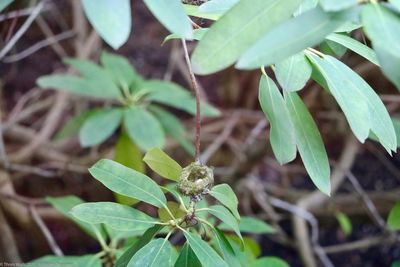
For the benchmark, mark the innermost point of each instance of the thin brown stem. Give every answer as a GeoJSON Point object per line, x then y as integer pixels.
{"type": "Point", "coordinates": [197, 95]}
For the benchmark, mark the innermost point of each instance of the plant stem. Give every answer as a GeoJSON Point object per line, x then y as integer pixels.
{"type": "Point", "coordinates": [197, 95]}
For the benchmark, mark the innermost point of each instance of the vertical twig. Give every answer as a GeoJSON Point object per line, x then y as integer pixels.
{"type": "Point", "coordinates": [197, 95]}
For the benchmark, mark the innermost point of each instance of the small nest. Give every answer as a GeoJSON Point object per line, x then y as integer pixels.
{"type": "Point", "coordinates": [195, 180]}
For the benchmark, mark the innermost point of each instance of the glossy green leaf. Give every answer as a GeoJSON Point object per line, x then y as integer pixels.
{"type": "Point", "coordinates": [4, 4]}
{"type": "Point", "coordinates": [120, 69]}
{"type": "Point", "coordinates": [226, 217]}
{"type": "Point", "coordinates": [111, 19]}
{"type": "Point", "coordinates": [291, 37]}
{"type": "Point", "coordinates": [305, 6]}
{"type": "Point", "coordinates": [237, 30]}
{"type": "Point", "coordinates": [197, 35]}
{"type": "Point", "coordinates": [252, 225]}
{"type": "Point", "coordinates": [73, 125]}
{"type": "Point", "coordinates": [344, 222]}
{"type": "Point", "coordinates": [381, 25]}
{"type": "Point", "coordinates": [347, 92]}
{"type": "Point", "coordinates": [282, 136]}
{"type": "Point", "coordinates": [394, 218]}
{"type": "Point", "coordinates": [355, 46]}
{"type": "Point", "coordinates": [99, 126]}
{"type": "Point", "coordinates": [163, 164]}
{"type": "Point", "coordinates": [309, 143]}
{"type": "Point", "coordinates": [157, 253]}
{"type": "Point", "coordinates": [144, 129]}
{"type": "Point", "coordinates": [293, 73]}
{"type": "Point", "coordinates": [194, 11]}
{"type": "Point", "coordinates": [140, 243]}
{"type": "Point", "coordinates": [128, 182]}
{"type": "Point", "coordinates": [72, 261]}
{"type": "Point", "coordinates": [217, 6]}
{"type": "Point", "coordinates": [173, 127]}
{"type": "Point", "coordinates": [77, 85]}
{"type": "Point", "coordinates": [172, 15]}
{"type": "Point", "coordinates": [269, 262]}
{"type": "Point", "coordinates": [251, 249]}
{"type": "Point", "coordinates": [206, 255]}
{"type": "Point", "coordinates": [225, 195]}
{"type": "Point", "coordinates": [187, 258]}
{"type": "Point", "coordinates": [226, 249]}
{"type": "Point", "coordinates": [114, 215]}
{"type": "Point", "coordinates": [331, 48]}
{"type": "Point", "coordinates": [336, 5]}
{"type": "Point", "coordinates": [65, 204]}
{"type": "Point", "coordinates": [173, 95]}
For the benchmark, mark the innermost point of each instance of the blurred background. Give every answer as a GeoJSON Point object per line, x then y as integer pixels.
{"type": "Point", "coordinates": [349, 227]}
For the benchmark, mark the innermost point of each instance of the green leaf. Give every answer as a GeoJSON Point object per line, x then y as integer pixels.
{"type": "Point", "coordinates": [336, 5]}
{"type": "Point", "coordinates": [381, 25]}
{"type": "Point", "coordinates": [143, 128]}
{"type": "Point", "coordinates": [395, 263]}
{"type": "Point", "coordinates": [347, 92]}
{"type": "Point", "coordinates": [73, 126]}
{"type": "Point", "coordinates": [194, 11]}
{"type": "Point", "coordinates": [226, 217]}
{"type": "Point", "coordinates": [120, 69]}
{"type": "Point", "coordinates": [77, 85]}
{"type": "Point", "coordinates": [163, 164]}
{"type": "Point", "coordinates": [173, 95]}
{"type": "Point", "coordinates": [65, 204]}
{"type": "Point", "coordinates": [111, 19]}
{"type": "Point", "coordinates": [173, 127]}
{"type": "Point", "coordinates": [128, 182]}
{"type": "Point", "coordinates": [252, 225]}
{"type": "Point", "coordinates": [226, 249]}
{"type": "Point", "coordinates": [237, 30]}
{"type": "Point", "coordinates": [72, 261]}
{"type": "Point", "coordinates": [309, 143]}
{"type": "Point", "coordinates": [114, 215]}
{"type": "Point", "coordinates": [4, 4]}
{"type": "Point", "coordinates": [172, 15]}
{"type": "Point", "coordinates": [224, 194]}
{"type": "Point", "coordinates": [293, 73]}
{"type": "Point", "coordinates": [187, 258]}
{"type": "Point", "coordinates": [332, 48]}
{"type": "Point", "coordinates": [395, 3]}
{"type": "Point", "coordinates": [269, 262]}
{"type": "Point", "coordinates": [394, 218]}
{"type": "Point", "coordinates": [197, 35]}
{"type": "Point", "coordinates": [282, 135]}
{"type": "Point", "coordinates": [140, 243]}
{"type": "Point", "coordinates": [291, 37]}
{"type": "Point", "coordinates": [206, 255]}
{"type": "Point", "coordinates": [354, 46]}
{"type": "Point", "coordinates": [99, 126]}
{"type": "Point", "coordinates": [345, 223]}
{"type": "Point", "coordinates": [305, 6]}
{"type": "Point", "coordinates": [217, 6]}
{"type": "Point", "coordinates": [175, 210]}
{"type": "Point", "coordinates": [157, 253]}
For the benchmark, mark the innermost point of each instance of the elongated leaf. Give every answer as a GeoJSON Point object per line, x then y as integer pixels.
{"type": "Point", "coordinates": [252, 225]}
{"type": "Point", "coordinates": [394, 218]}
{"type": "Point", "coordinates": [331, 48]}
{"type": "Point", "coordinates": [206, 255]}
{"type": "Point", "coordinates": [173, 127]}
{"type": "Point", "coordinates": [346, 91]}
{"type": "Point", "coordinates": [72, 261]}
{"type": "Point", "coordinates": [111, 19]}
{"type": "Point", "coordinates": [194, 11]}
{"type": "Point", "coordinates": [345, 223]}
{"type": "Point", "coordinates": [291, 37]}
{"type": "Point", "coordinates": [172, 15]}
{"type": "Point", "coordinates": [99, 126]}
{"type": "Point", "coordinates": [144, 129]}
{"type": "Point", "coordinates": [217, 6]}
{"type": "Point", "coordinates": [269, 262]}
{"type": "Point", "coordinates": [224, 194]}
{"type": "Point", "coordinates": [396, 3]}
{"type": "Point", "coordinates": [4, 4]}
{"type": "Point", "coordinates": [305, 6]}
{"type": "Point", "coordinates": [157, 253]}
{"type": "Point", "coordinates": [140, 243]}
{"type": "Point", "coordinates": [77, 85]}
{"type": "Point", "coordinates": [335, 5]}
{"type": "Point", "coordinates": [282, 135]}
{"type": "Point", "coordinates": [226, 217]}
{"type": "Point", "coordinates": [187, 258]}
{"type": "Point", "coordinates": [128, 182]}
{"type": "Point", "coordinates": [293, 73]}
{"type": "Point", "coordinates": [197, 35]}
{"type": "Point", "coordinates": [237, 30]}
{"type": "Point", "coordinates": [381, 25]}
{"type": "Point", "coordinates": [73, 126]}
{"type": "Point", "coordinates": [176, 96]}
{"type": "Point", "coordinates": [163, 164]}
{"type": "Point", "coordinates": [355, 46]}
{"type": "Point", "coordinates": [114, 215]}
{"type": "Point", "coordinates": [123, 73]}
{"type": "Point", "coordinates": [309, 143]}
{"type": "Point", "coordinates": [226, 249]}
